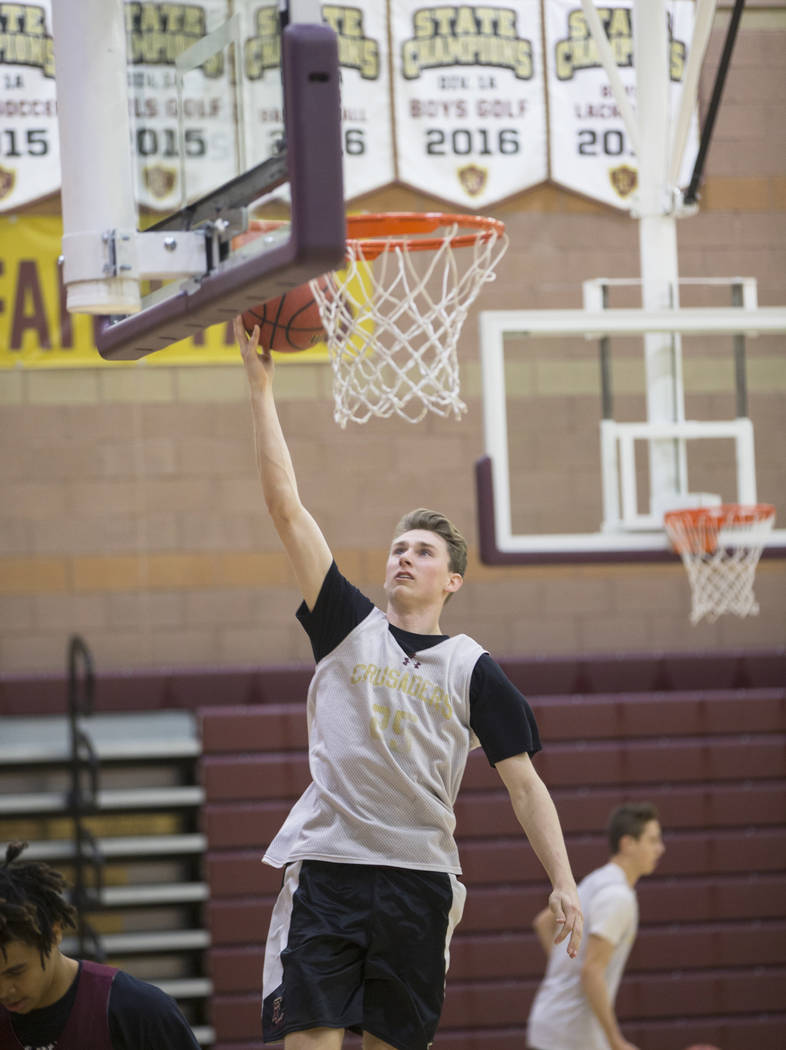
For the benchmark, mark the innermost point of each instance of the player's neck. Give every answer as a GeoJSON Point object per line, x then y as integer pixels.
{"type": "Point", "coordinates": [417, 621]}
{"type": "Point", "coordinates": [631, 872]}
{"type": "Point", "coordinates": [63, 976]}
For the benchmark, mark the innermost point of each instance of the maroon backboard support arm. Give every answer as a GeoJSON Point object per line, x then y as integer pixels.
{"type": "Point", "coordinates": [318, 225]}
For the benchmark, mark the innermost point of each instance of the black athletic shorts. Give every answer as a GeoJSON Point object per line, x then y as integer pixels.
{"type": "Point", "coordinates": [361, 947]}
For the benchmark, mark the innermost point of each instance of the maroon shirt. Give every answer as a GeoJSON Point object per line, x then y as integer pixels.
{"type": "Point", "coordinates": [137, 1015]}
{"type": "Point", "coordinates": [88, 1021]}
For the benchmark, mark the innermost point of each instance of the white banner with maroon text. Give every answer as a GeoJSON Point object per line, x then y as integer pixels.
{"type": "Point", "coordinates": [590, 148]}
{"type": "Point", "coordinates": [181, 100]}
{"type": "Point", "coordinates": [469, 99]}
{"type": "Point", "coordinates": [29, 140]}
{"type": "Point", "coordinates": [367, 127]}
{"type": "Point", "coordinates": [450, 100]}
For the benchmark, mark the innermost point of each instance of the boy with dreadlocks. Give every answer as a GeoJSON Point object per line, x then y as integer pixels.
{"type": "Point", "coordinates": [49, 1001]}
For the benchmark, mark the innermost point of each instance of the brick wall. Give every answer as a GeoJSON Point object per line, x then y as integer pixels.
{"type": "Point", "coordinates": [131, 512]}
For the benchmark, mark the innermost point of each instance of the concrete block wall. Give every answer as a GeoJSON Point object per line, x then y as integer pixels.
{"type": "Point", "coordinates": [131, 513]}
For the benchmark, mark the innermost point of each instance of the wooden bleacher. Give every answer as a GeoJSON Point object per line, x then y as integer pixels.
{"type": "Point", "coordinates": [702, 738]}
{"type": "Point", "coordinates": [701, 735]}
{"type": "Point", "coordinates": [146, 824]}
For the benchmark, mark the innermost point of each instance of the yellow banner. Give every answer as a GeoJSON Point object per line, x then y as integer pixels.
{"type": "Point", "coordinates": [36, 330]}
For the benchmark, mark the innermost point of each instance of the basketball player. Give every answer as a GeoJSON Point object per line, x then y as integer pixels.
{"type": "Point", "coordinates": [574, 1006]}
{"type": "Point", "coordinates": [50, 1000]}
{"type": "Point", "coordinates": [360, 931]}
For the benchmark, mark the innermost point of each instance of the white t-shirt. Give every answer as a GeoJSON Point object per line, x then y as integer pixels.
{"type": "Point", "coordinates": [561, 1017]}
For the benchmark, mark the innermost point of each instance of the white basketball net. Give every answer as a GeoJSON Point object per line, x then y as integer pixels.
{"type": "Point", "coordinates": [393, 322]}
{"type": "Point", "coordinates": [720, 549]}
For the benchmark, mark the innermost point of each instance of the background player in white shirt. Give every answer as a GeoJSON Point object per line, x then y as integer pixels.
{"type": "Point", "coordinates": [360, 931]}
{"type": "Point", "coordinates": [574, 1005]}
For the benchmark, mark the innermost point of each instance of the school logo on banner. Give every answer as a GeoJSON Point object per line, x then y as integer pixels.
{"type": "Point", "coordinates": [590, 148]}
{"type": "Point", "coordinates": [7, 181]}
{"type": "Point", "coordinates": [160, 181]}
{"type": "Point", "coordinates": [624, 180]}
{"type": "Point", "coordinates": [469, 99]}
{"type": "Point", "coordinates": [473, 179]}
{"type": "Point", "coordinates": [29, 141]}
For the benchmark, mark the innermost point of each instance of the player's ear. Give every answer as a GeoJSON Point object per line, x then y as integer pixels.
{"type": "Point", "coordinates": [455, 580]}
{"type": "Point", "coordinates": [627, 842]}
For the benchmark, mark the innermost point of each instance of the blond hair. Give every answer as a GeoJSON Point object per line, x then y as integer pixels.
{"type": "Point", "coordinates": [433, 521]}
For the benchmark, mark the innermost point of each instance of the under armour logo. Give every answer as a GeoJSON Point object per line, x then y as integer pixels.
{"type": "Point", "coordinates": [415, 663]}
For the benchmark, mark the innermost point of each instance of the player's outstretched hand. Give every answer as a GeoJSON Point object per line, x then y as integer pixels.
{"type": "Point", "coordinates": [567, 914]}
{"type": "Point", "coordinates": [257, 359]}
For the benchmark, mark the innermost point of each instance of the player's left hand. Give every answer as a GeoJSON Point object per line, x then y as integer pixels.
{"type": "Point", "coordinates": [256, 358]}
{"type": "Point", "coordinates": [567, 914]}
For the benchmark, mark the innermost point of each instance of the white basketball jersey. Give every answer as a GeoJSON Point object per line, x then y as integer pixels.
{"type": "Point", "coordinates": [389, 737]}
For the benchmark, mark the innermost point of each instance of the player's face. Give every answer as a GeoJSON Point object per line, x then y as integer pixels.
{"type": "Point", "coordinates": [25, 984]}
{"type": "Point", "coordinates": [418, 568]}
{"type": "Point", "coordinates": [649, 848]}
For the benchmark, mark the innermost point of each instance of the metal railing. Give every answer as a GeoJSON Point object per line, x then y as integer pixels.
{"type": "Point", "coordinates": [83, 798]}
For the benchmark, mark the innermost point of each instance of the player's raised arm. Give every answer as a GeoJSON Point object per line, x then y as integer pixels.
{"type": "Point", "coordinates": [302, 537]}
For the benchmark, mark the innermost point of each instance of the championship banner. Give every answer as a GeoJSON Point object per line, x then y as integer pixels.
{"type": "Point", "coordinates": [365, 89]}
{"type": "Point", "coordinates": [365, 93]}
{"type": "Point", "coordinates": [590, 150]}
{"type": "Point", "coordinates": [193, 104]}
{"type": "Point", "coordinates": [469, 99]}
{"type": "Point", "coordinates": [36, 330]}
{"type": "Point", "coordinates": [29, 140]}
{"type": "Point", "coordinates": [263, 95]}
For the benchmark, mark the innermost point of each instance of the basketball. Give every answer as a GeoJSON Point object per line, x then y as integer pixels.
{"type": "Point", "coordinates": [290, 323]}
